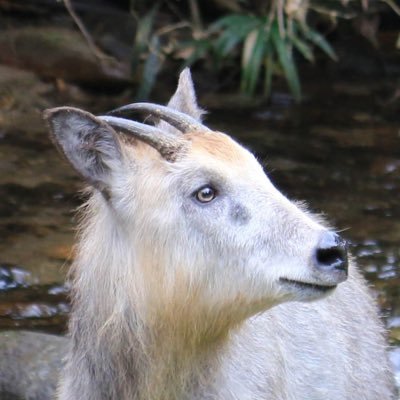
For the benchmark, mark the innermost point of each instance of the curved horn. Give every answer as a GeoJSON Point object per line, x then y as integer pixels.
{"type": "Point", "coordinates": [177, 119]}
{"type": "Point", "coordinates": [166, 144]}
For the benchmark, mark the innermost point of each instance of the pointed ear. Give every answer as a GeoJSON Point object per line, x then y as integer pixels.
{"type": "Point", "coordinates": [89, 144]}
{"type": "Point", "coordinates": [184, 100]}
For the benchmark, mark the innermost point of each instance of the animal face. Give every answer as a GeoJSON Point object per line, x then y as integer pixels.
{"type": "Point", "coordinates": [197, 210]}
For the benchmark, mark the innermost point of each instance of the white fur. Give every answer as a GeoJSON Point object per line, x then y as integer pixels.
{"type": "Point", "coordinates": [178, 300]}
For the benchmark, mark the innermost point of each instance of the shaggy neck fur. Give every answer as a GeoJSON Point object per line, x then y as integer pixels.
{"type": "Point", "coordinates": [138, 339]}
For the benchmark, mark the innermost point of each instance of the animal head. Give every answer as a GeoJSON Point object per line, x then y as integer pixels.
{"type": "Point", "coordinates": [196, 209]}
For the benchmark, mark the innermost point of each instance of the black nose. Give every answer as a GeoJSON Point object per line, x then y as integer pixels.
{"type": "Point", "coordinates": [331, 253]}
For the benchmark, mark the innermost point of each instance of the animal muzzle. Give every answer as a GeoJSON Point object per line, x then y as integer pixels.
{"type": "Point", "coordinates": [331, 257]}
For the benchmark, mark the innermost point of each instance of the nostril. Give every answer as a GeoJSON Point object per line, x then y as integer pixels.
{"type": "Point", "coordinates": [331, 257]}
{"type": "Point", "coordinates": [331, 252]}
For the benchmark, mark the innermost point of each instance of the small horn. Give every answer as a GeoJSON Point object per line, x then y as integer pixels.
{"type": "Point", "coordinates": [177, 119]}
{"type": "Point", "coordinates": [166, 144]}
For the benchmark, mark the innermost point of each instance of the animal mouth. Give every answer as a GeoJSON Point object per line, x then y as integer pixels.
{"type": "Point", "coordinates": [307, 285]}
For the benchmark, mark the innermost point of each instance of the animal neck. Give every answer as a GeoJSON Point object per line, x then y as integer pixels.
{"type": "Point", "coordinates": [174, 368]}
{"type": "Point", "coordinates": [143, 342]}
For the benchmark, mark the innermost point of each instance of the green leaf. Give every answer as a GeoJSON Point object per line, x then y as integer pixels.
{"type": "Point", "coordinates": [200, 48]}
{"type": "Point", "coordinates": [320, 41]}
{"type": "Point", "coordinates": [253, 54]}
{"type": "Point", "coordinates": [269, 70]}
{"type": "Point", "coordinates": [248, 48]}
{"type": "Point", "coordinates": [233, 29]}
{"type": "Point", "coordinates": [303, 48]}
{"type": "Point", "coordinates": [238, 24]}
{"type": "Point", "coordinates": [151, 69]}
{"type": "Point", "coordinates": [285, 57]}
{"type": "Point", "coordinates": [225, 43]}
{"type": "Point", "coordinates": [142, 38]}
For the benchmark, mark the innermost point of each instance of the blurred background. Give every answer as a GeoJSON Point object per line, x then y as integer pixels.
{"type": "Point", "coordinates": [312, 87]}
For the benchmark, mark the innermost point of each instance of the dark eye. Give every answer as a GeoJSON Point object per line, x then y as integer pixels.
{"type": "Point", "coordinates": [205, 194]}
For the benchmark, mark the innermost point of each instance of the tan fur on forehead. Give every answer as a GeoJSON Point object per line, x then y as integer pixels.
{"type": "Point", "coordinates": [141, 151]}
{"type": "Point", "coordinates": [218, 145]}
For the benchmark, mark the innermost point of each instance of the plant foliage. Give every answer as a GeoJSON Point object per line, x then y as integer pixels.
{"type": "Point", "coordinates": [268, 45]}
{"type": "Point", "coordinates": [268, 39]}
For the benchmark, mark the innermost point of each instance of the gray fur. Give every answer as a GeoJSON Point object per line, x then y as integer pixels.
{"type": "Point", "coordinates": [172, 300]}
{"type": "Point", "coordinates": [239, 214]}
{"type": "Point", "coordinates": [89, 144]}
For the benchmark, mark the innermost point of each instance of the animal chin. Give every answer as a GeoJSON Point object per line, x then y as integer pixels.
{"type": "Point", "coordinates": [306, 286]}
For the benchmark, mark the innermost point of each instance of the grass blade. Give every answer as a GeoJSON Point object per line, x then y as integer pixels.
{"type": "Point", "coordinates": [321, 42]}
{"type": "Point", "coordinates": [269, 70]}
{"type": "Point", "coordinates": [303, 48]}
{"type": "Point", "coordinates": [142, 38]}
{"type": "Point", "coordinates": [285, 57]}
{"type": "Point", "coordinates": [248, 48]}
{"type": "Point", "coordinates": [151, 69]}
{"type": "Point", "coordinates": [238, 24]}
{"type": "Point", "coordinates": [253, 54]}
{"type": "Point", "coordinates": [200, 48]}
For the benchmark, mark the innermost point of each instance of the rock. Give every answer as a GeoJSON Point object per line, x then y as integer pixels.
{"type": "Point", "coordinates": [21, 96]}
{"type": "Point", "coordinates": [29, 365]}
{"type": "Point", "coordinates": [58, 53]}
{"type": "Point", "coordinates": [12, 276]}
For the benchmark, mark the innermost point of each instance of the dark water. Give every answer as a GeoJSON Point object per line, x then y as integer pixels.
{"type": "Point", "coordinates": [339, 151]}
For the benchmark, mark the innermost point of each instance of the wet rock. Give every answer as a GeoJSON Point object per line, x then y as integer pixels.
{"type": "Point", "coordinates": [385, 166]}
{"type": "Point", "coordinates": [58, 53]}
{"type": "Point", "coordinates": [29, 365]}
{"type": "Point", "coordinates": [25, 305]}
{"type": "Point", "coordinates": [12, 277]}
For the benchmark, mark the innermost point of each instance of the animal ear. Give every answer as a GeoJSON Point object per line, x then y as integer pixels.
{"type": "Point", "coordinates": [183, 100]}
{"type": "Point", "coordinates": [88, 143]}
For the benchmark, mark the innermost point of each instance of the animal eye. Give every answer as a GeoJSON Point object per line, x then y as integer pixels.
{"type": "Point", "coordinates": [205, 194]}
